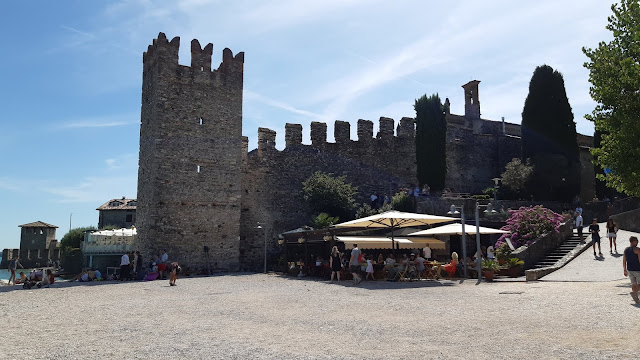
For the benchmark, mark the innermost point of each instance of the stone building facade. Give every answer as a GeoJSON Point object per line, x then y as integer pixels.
{"type": "Point", "coordinates": [120, 213]}
{"type": "Point", "coordinates": [38, 245]}
{"type": "Point", "coordinates": [200, 186]}
{"type": "Point", "coordinates": [191, 145]}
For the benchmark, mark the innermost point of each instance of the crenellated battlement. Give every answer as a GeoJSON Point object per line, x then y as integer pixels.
{"type": "Point", "coordinates": [162, 55]}
{"type": "Point", "coordinates": [341, 133]}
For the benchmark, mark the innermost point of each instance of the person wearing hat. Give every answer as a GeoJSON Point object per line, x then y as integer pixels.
{"type": "Point", "coordinates": [631, 266]}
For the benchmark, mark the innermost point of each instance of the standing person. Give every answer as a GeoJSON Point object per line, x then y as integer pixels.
{"type": "Point", "coordinates": [631, 266]}
{"type": "Point", "coordinates": [124, 267]}
{"type": "Point", "coordinates": [162, 266]}
{"type": "Point", "coordinates": [369, 269]}
{"type": "Point", "coordinates": [335, 263]}
{"type": "Point", "coordinates": [13, 265]}
{"type": "Point", "coordinates": [175, 270]}
{"type": "Point", "coordinates": [138, 264]}
{"type": "Point", "coordinates": [594, 229]}
{"type": "Point", "coordinates": [354, 264]}
{"type": "Point", "coordinates": [133, 264]}
{"type": "Point", "coordinates": [612, 230]}
{"type": "Point", "coordinates": [579, 226]}
{"type": "Point", "coordinates": [427, 252]}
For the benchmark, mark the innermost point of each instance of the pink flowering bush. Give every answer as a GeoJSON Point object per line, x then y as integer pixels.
{"type": "Point", "coordinates": [529, 223]}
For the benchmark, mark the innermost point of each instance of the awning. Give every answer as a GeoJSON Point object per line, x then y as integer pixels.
{"type": "Point", "coordinates": [373, 242]}
{"type": "Point", "coordinates": [456, 229]}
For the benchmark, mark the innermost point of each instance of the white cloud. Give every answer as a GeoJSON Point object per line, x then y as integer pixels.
{"type": "Point", "coordinates": [102, 121]}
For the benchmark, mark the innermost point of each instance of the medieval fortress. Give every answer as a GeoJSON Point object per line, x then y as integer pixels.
{"type": "Point", "coordinates": [201, 192]}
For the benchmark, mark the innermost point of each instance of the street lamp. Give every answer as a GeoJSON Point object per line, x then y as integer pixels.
{"type": "Point", "coordinates": [454, 211]}
{"type": "Point", "coordinates": [496, 186]}
{"type": "Point", "coordinates": [265, 245]}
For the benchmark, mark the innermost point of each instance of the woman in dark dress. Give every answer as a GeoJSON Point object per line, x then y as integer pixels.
{"type": "Point", "coordinates": [335, 263]}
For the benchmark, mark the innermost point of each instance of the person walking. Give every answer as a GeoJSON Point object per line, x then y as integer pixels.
{"type": "Point", "coordinates": [369, 269]}
{"type": "Point", "coordinates": [594, 229]}
{"type": "Point", "coordinates": [612, 231]}
{"type": "Point", "coordinates": [13, 265]}
{"type": "Point", "coordinates": [124, 267]}
{"type": "Point", "coordinates": [335, 263]}
{"type": "Point", "coordinates": [354, 264]}
{"type": "Point", "coordinates": [579, 226]}
{"type": "Point", "coordinates": [173, 276]}
{"type": "Point", "coordinates": [631, 266]}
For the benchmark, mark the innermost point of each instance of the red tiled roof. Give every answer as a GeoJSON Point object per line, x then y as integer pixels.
{"type": "Point", "coordinates": [38, 224]}
{"type": "Point", "coordinates": [119, 204]}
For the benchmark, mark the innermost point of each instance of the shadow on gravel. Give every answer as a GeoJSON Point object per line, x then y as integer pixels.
{"type": "Point", "coordinates": [375, 285]}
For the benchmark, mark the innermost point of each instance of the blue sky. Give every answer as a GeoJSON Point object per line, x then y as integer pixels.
{"type": "Point", "coordinates": [71, 77]}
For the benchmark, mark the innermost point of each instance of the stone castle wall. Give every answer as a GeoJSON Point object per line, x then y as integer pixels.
{"type": "Point", "coordinates": [189, 177]}
{"type": "Point", "coordinates": [198, 185]}
{"type": "Point", "coordinates": [273, 179]}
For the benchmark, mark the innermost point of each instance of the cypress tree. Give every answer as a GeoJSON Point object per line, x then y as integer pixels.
{"type": "Point", "coordinates": [549, 137]}
{"type": "Point", "coordinates": [431, 131]}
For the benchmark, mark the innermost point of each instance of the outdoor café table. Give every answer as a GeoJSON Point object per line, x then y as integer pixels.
{"type": "Point", "coordinates": [433, 269]}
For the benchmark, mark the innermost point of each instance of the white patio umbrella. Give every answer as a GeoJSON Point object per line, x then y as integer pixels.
{"type": "Point", "coordinates": [393, 220]}
{"type": "Point", "coordinates": [456, 229]}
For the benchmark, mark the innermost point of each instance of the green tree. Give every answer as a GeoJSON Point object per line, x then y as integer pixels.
{"type": "Point", "coordinates": [515, 177]}
{"type": "Point", "coordinates": [431, 132]}
{"type": "Point", "coordinates": [614, 73]}
{"type": "Point", "coordinates": [549, 137]}
{"type": "Point", "coordinates": [74, 237]}
{"type": "Point", "coordinates": [323, 221]}
{"type": "Point", "coordinates": [332, 195]}
{"type": "Point", "coordinates": [403, 202]}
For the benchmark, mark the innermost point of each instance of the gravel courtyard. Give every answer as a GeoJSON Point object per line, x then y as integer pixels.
{"type": "Point", "coordinates": [257, 316]}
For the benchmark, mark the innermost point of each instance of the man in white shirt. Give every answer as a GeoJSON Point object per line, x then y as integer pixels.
{"type": "Point", "coordinates": [427, 252]}
{"type": "Point", "coordinates": [162, 266]}
{"type": "Point", "coordinates": [124, 267]}
{"type": "Point", "coordinates": [579, 225]}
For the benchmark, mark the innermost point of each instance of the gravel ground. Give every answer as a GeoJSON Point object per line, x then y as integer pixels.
{"type": "Point", "coordinates": [258, 316]}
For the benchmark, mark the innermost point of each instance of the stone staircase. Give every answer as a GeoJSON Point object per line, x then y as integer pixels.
{"type": "Point", "coordinates": [554, 256]}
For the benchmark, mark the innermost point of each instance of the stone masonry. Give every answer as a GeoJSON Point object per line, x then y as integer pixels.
{"type": "Point", "coordinates": [189, 177]}
{"type": "Point", "coordinates": [199, 185]}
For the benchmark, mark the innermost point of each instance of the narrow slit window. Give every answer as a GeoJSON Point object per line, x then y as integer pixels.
{"type": "Point", "coordinates": [200, 121]}
{"type": "Point", "coordinates": [198, 168]}
{"type": "Point", "coordinates": [201, 68]}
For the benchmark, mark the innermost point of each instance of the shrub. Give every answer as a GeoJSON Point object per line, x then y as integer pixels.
{"type": "Point", "coordinates": [503, 252]}
{"type": "Point", "coordinates": [366, 210]}
{"type": "Point", "coordinates": [402, 202]}
{"type": "Point", "coordinates": [529, 223]}
{"type": "Point", "coordinates": [332, 195]}
{"type": "Point", "coordinates": [74, 237]}
{"type": "Point", "coordinates": [324, 220]}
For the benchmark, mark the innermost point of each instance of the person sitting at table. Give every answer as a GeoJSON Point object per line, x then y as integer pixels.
{"type": "Point", "coordinates": [405, 259]}
{"type": "Point", "coordinates": [391, 260]}
{"type": "Point", "coordinates": [420, 263]}
{"type": "Point", "coordinates": [380, 259]}
{"type": "Point", "coordinates": [491, 253]}
{"type": "Point", "coordinates": [413, 269]}
{"type": "Point", "coordinates": [450, 268]}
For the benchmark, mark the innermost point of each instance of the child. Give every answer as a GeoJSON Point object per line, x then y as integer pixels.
{"type": "Point", "coordinates": [175, 269]}
{"type": "Point", "coordinates": [369, 268]}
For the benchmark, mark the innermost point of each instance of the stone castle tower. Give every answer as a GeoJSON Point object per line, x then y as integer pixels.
{"type": "Point", "coordinates": [191, 151]}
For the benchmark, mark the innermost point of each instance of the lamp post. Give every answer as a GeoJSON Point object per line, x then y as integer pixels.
{"type": "Point", "coordinates": [265, 245]}
{"type": "Point", "coordinates": [496, 186]}
{"type": "Point", "coordinates": [454, 211]}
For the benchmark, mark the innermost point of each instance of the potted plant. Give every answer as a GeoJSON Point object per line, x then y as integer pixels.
{"type": "Point", "coordinates": [503, 252]}
{"type": "Point", "coordinates": [489, 268]}
{"type": "Point", "coordinates": [513, 267]}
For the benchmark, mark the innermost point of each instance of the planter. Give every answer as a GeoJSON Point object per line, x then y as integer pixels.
{"type": "Point", "coordinates": [514, 271]}
{"type": "Point", "coordinates": [488, 274]}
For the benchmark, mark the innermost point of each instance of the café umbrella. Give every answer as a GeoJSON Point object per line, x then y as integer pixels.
{"type": "Point", "coordinates": [394, 220]}
{"type": "Point", "coordinates": [456, 229]}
